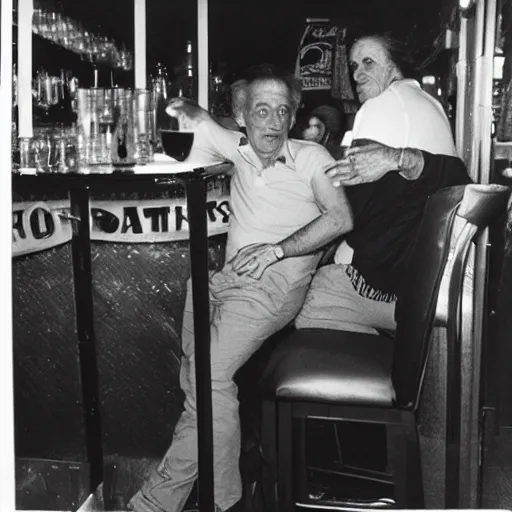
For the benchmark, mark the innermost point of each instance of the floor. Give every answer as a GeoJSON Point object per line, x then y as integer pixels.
{"type": "Point", "coordinates": [497, 472]}
{"type": "Point", "coordinates": [496, 479]}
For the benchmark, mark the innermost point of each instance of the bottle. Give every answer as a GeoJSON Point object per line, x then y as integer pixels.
{"type": "Point", "coordinates": [188, 87]}
{"type": "Point", "coordinates": [184, 84]}
{"type": "Point", "coordinates": [189, 60]}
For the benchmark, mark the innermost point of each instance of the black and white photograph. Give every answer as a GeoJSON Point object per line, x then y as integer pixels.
{"type": "Point", "coordinates": [259, 256]}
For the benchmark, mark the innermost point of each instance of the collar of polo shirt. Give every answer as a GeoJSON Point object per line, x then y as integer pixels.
{"type": "Point", "coordinates": [245, 149]}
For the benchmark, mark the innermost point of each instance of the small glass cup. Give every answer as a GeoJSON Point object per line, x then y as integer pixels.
{"type": "Point", "coordinates": [26, 153]}
{"type": "Point", "coordinates": [142, 126]}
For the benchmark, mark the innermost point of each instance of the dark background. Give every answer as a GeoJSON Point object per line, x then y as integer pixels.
{"type": "Point", "coordinates": [245, 32]}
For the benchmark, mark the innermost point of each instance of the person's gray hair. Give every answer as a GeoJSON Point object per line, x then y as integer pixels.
{"type": "Point", "coordinates": [238, 100]}
{"type": "Point", "coordinates": [271, 72]}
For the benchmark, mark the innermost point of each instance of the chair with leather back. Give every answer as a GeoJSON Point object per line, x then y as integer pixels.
{"type": "Point", "coordinates": [355, 377]}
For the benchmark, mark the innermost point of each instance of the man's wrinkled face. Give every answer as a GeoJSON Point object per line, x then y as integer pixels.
{"type": "Point", "coordinates": [372, 68]}
{"type": "Point", "coordinates": [268, 117]}
{"type": "Point", "coordinates": [315, 130]}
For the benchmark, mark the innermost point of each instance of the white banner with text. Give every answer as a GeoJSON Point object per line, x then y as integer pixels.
{"type": "Point", "coordinates": [41, 225]}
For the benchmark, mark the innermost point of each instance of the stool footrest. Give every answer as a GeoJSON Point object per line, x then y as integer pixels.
{"type": "Point", "coordinates": [355, 472]}
{"type": "Point", "coordinates": [350, 505]}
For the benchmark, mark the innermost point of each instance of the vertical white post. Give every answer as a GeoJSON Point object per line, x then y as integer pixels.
{"type": "Point", "coordinates": [140, 44]}
{"type": "Point", "coordinates": [203, 70]}
{"type": "Point", "coordinates": [6, 395]}
{"type": "Point", "coordinates": [25, 12]}
{"type": "Point", "coordinates": [462, 88]}
{"type": "Point", "coordinates": [489, 42]}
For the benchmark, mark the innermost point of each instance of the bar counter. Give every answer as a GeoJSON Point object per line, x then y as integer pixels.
{"type": "Point", "coordinates": [97, 316]}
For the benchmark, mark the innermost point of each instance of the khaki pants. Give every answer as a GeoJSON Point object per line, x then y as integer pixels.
{"type": "Point", "coordinates": [243, 313]}
{"type": "Point", "coordinates": [333, 303]}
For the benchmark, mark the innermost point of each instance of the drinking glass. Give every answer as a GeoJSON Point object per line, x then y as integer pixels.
{"type": "Point", "coordinates": [41, 149]}
{"type": "Point", "coordinates": [123, 143]}
{"type": "Point", "coordinates": [143, 126]}
{"type": "Point", "coordinates": [177, 144]}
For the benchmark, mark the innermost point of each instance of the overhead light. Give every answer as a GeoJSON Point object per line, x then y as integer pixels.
{"type": "Point", "coordinates": [428, 80]}
{"type": "Point", "coordinates": [466, 6]}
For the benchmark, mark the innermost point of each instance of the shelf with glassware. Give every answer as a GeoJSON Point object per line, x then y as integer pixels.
{"type": "Point", "coordinates": [73, 85]}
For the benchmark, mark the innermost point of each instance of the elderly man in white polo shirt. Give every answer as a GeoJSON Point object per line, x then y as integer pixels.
{"type": "Point", "coordinates": [284, 211]}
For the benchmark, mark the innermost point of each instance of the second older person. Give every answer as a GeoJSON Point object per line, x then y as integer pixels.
{"type": "Point", "coordinates": [284, 210]}
{"type": "Point", "coordinates": [403, 151]}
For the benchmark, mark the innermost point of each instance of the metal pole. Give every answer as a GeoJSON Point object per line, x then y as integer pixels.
{"type": "Point", "coordinates": [198, 244]}
{"type": "Point", "coordinates": [203, 69]}
{"type": "Point", "coordinates": [471, 467]}
{"type": "Point", "coordinates": [140, 43]}
{"type": "Point", "coordinates": [462, 88]}
{"type": "Point", "coordinates": [82, 272]}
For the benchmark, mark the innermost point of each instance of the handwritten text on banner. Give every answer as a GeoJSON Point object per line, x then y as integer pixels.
{"type": "Point", "coordinates": [41, 225]}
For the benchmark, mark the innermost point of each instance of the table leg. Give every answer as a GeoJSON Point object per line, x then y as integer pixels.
{"type": "Point", "coordinates": [81, 250]}
{"type": "Point", "coordinates": [198, 244]}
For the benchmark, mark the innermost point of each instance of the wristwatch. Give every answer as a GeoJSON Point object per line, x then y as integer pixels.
{"type": "Point", "coordinates": [278, 251]}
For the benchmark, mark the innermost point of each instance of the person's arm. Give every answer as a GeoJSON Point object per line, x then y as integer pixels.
{"type": "Point", "coordinates": [431, 171]}
{"type": "Point", "coordinates": [371, 161]}
{"type": "Point", "coordinates": [440, 171]}
{"type": "Point", "coordinates": [335, 220]}
{"type": "Point", "coordinates": [212, 142]}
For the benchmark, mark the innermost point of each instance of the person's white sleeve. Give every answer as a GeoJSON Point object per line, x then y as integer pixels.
{"type": "Point", "coordinates": [213, 143]}
{"type": "Point", "coordinates": [312, 159]}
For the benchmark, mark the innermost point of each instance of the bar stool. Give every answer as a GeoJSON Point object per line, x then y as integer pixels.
{"type": "Point", "coordinates": [365, 378]}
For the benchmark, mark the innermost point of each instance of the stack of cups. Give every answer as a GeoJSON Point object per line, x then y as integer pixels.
{"type": "Point", "coordinates": [114, 127]}
{"type": "Point", "coordinates": [83, 127]}
{"type": "Point", "coordinates": [143, 127]}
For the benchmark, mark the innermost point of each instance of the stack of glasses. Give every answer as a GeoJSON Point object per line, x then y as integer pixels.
{"type": "Point", "coordinates": [51, 149]}
{"type": "Point", "coordinates": [114, 127]}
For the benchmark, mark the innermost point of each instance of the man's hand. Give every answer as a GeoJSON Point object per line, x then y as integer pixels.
{"type": "Point", "coordinates": [364, 164]}
{"type": "Point", "coordinates": [253, 259]}
{"type": "Point", "coordinates": [188, 113]}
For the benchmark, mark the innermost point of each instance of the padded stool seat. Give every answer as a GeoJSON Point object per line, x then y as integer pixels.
{"type": "Point", "coordinates": [325, 365]}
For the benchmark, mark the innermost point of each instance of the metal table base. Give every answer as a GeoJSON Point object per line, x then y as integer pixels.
{"type": "Point", "coordinates": [79, 187]}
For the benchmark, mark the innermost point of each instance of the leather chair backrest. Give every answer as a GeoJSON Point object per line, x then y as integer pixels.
{"type": "Point", "coordinates": [416, 307]}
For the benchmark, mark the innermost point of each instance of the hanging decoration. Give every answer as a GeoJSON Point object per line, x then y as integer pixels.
{"type": "Point", "coordinates": [322, 62]}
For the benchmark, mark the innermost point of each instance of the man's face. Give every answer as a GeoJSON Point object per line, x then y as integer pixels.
{"type": "Point", "coordinates": [268, 117]}
{"type": "Point", "coordinates": [315, 130]}
{"type": "Point", "coordinates": [372, 68]}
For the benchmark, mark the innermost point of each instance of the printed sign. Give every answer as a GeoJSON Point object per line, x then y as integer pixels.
{"type": "Point", "coordinates": [316, 55]}
{"type": "Point", "coordinates": [41, 225]}
{"type": "Point", "coordinates": [322, 61]}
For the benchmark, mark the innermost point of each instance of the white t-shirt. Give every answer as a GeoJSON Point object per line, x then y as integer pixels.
{"type": "Point", "coordinates": [405, 116]}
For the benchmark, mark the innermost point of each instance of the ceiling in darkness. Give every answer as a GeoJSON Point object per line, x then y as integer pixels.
{"type": "Point", "coordinates": [245, 32]}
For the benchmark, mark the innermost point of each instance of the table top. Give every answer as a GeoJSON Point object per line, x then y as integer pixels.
{"type": "Point", "coordinates": [159, 173]}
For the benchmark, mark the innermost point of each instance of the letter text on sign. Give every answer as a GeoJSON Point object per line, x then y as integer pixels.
{"type": "Point", "coordinates": [39, 226]}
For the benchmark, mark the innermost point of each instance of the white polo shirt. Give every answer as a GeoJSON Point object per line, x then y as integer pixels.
{"type": "Point", "coordinates": [267, 205]}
